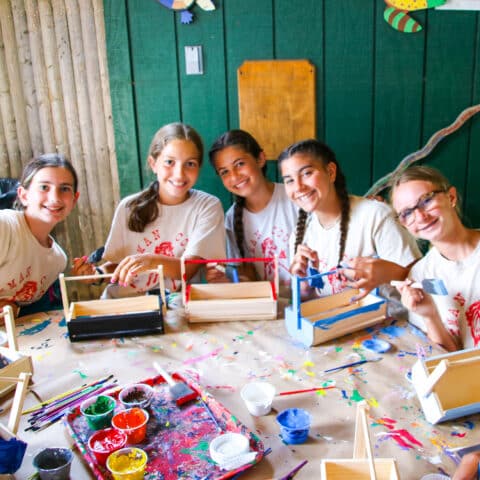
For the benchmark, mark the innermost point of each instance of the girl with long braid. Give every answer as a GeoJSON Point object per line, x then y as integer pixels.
{"type": "Point", "coordinates": [166, 220]}
{"type": "Point", "coordinates": [260, 221]}
{"type": "Point", "coordinates": [337, 229]}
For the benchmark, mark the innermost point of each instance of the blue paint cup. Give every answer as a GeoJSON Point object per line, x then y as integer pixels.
{"type": "Point", "coordinates": [294, 425]}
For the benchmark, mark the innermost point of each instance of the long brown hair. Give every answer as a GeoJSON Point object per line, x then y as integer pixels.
{"type": "Point", "coordinates": [144, 207]}
{"type": "Point", "coordinates": [324, 154]}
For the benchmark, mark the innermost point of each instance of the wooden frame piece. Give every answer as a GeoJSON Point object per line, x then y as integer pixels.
{"type": "Point", "coordinates": [316, 321]}
{"type": "Point", "coordinates": [213, 302]}
{"type": "Point", "coordinates": [18, 362]}
{"type": "Point", "coordinates": [448, 385]}
{"type": "Point", "coordinates": [363, 465]}
{"type": "Point", "coordinates": [118, 317]}
{"type": "Point", "coordinates": [10, 431]}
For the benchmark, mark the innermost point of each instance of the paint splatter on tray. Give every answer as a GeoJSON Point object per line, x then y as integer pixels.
{"type": "Point", "coordinates": [177, 438]}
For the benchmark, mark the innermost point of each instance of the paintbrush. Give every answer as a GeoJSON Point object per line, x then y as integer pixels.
{"type": "Point", "coordinates": [433, 286]}
{"type": "Point", "coordinates": [353, 364]}
{"type": "Point", "coordinates": [179, 391]}
{"type": "Point", "coordinates": [314, 389]}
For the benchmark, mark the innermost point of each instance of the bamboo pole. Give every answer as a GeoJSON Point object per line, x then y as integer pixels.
{"type": "Point", "coordinates": [26, 73]}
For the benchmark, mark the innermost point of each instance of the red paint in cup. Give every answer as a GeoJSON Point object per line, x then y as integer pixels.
{"type": "Point", "coordinates": [133, 422]}
{"type": "Point", "coordinates": [103, 442]}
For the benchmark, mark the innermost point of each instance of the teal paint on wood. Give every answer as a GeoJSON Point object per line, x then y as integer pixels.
{"type": "Point", "coordinates": [299, 33]}
{"type": "Point", "coordinates": [448, 87]}
{"type": "Point", "coordinates": [154, 60]}
{"type": "Point", "coordinates": [398, 94]}
{"type": "Point", "coordinates": [121, 92]}
{"type": "Point", "coordinates": [248, 36]}
{"type": "Point", "coordinates": [203, 97]}
{"type": "Point", "coordinates": [349, 87]}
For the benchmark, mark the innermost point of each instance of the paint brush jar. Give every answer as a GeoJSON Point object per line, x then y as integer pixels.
{"type": "Point", "coordinates": [53, 463]}
{"type": "Point", "coordinates": [127, 464]}
{"type": "Point", "coordinates": [132, 422]}
{"type": "Point", "coordinates": [294, 425]}
{"type": "Point", "coordinates": [98, 411]}
{"type": "Point", "coordinates": [138, 395]}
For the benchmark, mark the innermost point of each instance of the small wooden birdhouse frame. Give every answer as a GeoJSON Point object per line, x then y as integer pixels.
{"type": "Point", "coordinates": [363, 466]}
{"type": "Point", "coordinates": [14, 362]}
{"type": "Point", "coordinates": [213, 302]}
{"type": "Point", "coordinates": [316, 321]}
{"type": "Point", "coordinates": [448, 385]}
{"type": "Point", "coordinates": [117, 317]}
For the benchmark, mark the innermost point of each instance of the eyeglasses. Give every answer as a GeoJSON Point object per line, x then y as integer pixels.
{"type": "Point", "coordinates": [424, 203]}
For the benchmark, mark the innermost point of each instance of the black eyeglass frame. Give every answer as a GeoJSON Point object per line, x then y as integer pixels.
{"type": "Point", "coordinates": [422, 204]}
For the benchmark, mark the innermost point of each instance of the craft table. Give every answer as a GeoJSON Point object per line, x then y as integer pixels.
{"type": "Point", "coordinates": [225, 356]}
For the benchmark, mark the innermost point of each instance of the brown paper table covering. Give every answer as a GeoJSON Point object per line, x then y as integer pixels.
{"type": "Point", "coordinates": [226, 355]}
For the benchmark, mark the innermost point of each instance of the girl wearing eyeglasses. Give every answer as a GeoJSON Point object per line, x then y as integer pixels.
{"type": "Point", "coordinates": [427, 206]}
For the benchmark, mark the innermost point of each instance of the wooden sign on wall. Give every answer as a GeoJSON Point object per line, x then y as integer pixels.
{"type": "Point", "coordinates": [277, 102]}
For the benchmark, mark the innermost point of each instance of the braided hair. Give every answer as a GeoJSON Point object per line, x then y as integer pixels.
{"type": "Point", "coordinates": [144, 206]}
{"type": "Point", "coordinates": [243, 140]}
{"type": "Point", "coordinates": [324, 154]}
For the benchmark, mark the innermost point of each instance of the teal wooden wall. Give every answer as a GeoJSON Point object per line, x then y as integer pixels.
{"type": "Point", "coordinates": [381, 94]}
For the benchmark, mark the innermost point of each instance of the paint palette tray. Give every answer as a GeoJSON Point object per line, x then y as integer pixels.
{"type": "Point", "coordinates": [363, 465]}
{"type": "Point", "coordinates": [316, 321]}
{"type": "Point", "coordinates": [447, 385]}
{"type": "Point", "coordinates": [118, 317]}
{"type": "Point", "coordinates": [213, 302]}
{"type": "Point", "coordinates": [177, 437]}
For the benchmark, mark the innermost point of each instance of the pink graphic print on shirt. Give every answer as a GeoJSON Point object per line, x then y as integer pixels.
{"type": "Point", "coordinates": [472, 316]}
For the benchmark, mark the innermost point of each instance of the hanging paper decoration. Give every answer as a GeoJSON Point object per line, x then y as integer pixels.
{"type": "Point", "coordinates": [396, 13]}
{"type": "Point", "coordinates": [185, 15]}
{"type": "Point", "coordinates": [434, 140]}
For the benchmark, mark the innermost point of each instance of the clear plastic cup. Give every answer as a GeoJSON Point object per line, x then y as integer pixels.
{"type": "Point", "coordinates": [127, 463]}
{"type": "Point", "coordinates": [258, 397]}
{"type": "Point", "coordinates": [98, 411]}
{"type": "Point", "coordinates": [294, 425]}
{"type": "Point", "coordinates": [132, 422]}
{"type": "Point", "coordinates": [53, 463]}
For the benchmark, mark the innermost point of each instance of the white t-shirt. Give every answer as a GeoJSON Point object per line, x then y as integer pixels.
{"type": "Point", "coordinates": [192, 228]}
{"type": "Point", "coordinates": [266, 234]}
{"type": "Point", "coordinates": [372, 231]}
{"type": "Point", "coordinates": [27, 269]}
{"type": "Point", "coordinates": [460, 309]}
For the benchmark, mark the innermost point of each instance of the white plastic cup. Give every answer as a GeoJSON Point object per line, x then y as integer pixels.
{"type": "Point", "coordinates": [258, 397]}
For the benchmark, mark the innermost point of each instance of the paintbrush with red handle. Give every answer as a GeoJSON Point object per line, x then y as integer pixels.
{"type": "Point", "coordinates": [180, 391]}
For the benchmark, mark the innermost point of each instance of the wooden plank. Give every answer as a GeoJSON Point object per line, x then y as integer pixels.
{"type": "Point", "coordinates": [301, 34]}
{"type": "Point", "coordinates": [121, 90]}
{"type": "Point", "coordinates": [398, 94]}
{"type": "Point", "coordinates": [261, 83]}
{"type": "Point", "coordinates": [349, 34]}
{"type": "Point", "coordinates": [448, 87]}
{"type": "Point", "coordinates": [154, 67]}
{"type": "Point", "coordinates": [208, 112]}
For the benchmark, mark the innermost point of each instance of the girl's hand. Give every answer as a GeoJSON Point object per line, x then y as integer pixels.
{"type": "Point", "coordinates": [301, 260]}
{"type": "Point", "coordinates": [417, 301]}
{"type": "Point", "coordinates": [468, 468]}
{"type": "Point", "coordinates": [215, 273]}
{"type": "Point", "coordinates": [15, 307]}
{"type": "Point", "coordinates": [82, 267]}
{"type": "Point", "coordinates": [129, 268]}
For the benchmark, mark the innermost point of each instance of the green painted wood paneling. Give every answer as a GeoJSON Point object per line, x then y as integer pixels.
{"type": "Point", "coordinates": [448, 86]}
{"type": "Point", "coordinates": [398, 94]}
{"type": "Point", "coordinates": [203, 97]}
{"type": "Point", "coordinates": [121, 91]}
{"type": "Point", "coordinates": [349, 74]}
{"type": "Point", "coordinates": [154, 60]}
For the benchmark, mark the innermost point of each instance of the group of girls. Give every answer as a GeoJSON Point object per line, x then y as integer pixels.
{"type": "Point", "coordinates": [308, 220]}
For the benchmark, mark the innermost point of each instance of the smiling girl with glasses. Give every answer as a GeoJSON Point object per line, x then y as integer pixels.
{"type": "Point", "coordinates": [427, 206]}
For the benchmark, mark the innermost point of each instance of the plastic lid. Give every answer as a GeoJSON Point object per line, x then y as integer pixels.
{"type": "Point", "coordinates": [227, 446]}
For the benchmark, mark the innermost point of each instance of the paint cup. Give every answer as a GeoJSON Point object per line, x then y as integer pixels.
{"type": "Point", "coordinates": [132, 422]}
{"type": "Point", "coordinates": [103, 442]}
{"type": "Point", "coordinates": [138, 395]}
{"type": "Point", "coordinates": [127, 463]}
{"type": "Point", "coordinates": [227, 447]}
{"type": "Point", "coordinates": [258, 397]}
{"type": "Point", "coordinates": [294, 425]}
{"type": "Point", "coordinates": [98, 411]}
{"type": "Point", "coordinates": [53, 463]}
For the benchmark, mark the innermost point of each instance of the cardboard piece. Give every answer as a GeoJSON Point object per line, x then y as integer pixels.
{"type": "Point", "coordinates": [448, 385]}
{"type": "Point", "coordinates": [213, 302]}
{"type": "Point", "coordinates": [119, 317]}
{"type": "Point", "coordinates": [316, 321]}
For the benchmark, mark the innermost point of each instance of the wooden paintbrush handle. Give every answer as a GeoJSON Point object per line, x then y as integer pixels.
{"type": "Point", "coordinates": [164, 374]}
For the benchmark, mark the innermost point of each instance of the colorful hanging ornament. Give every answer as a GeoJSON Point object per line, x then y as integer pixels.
{"type": "Point", "coordinates": [185, 15]}
{"type": "Point", "coordinates": [396, 13]}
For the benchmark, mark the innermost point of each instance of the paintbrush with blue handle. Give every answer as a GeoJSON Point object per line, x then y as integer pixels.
{"type": "Point", "coordinates": [432, 286]}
